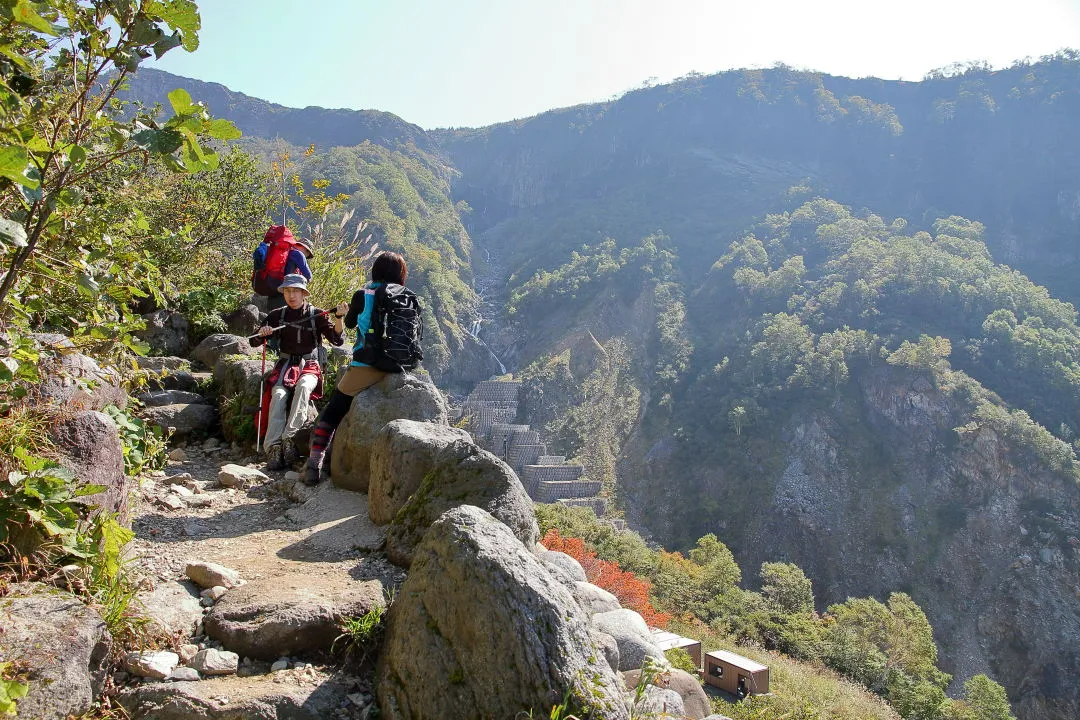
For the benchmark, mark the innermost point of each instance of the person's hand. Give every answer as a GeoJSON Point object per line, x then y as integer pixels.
{"type": "Point", "coordinates": [341, 309]}
{"type": "Point", "coordinates": [266, 331]}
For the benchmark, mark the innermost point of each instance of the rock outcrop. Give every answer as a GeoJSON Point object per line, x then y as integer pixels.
{"type": "Point", "coordinates": [403, 453]}
{"type": "Point", "coordinates": [166, 332]}
{"type": "Point", "coordinates": [88, 444]}
{"type": "Point", "coordinates": [632, 635]}
{"type": "Point", "coordinates": [194, 420]}
{"type": "Point", "coordinates": [398, 396]}
{"type": "Point", "coordinates": [292, 695]}
{"type": "Point", "coordinates": [218, 345]}
{"type": "Point", "coordinates": [62, 644]}
{"type": "Point", "coordinates": [77, 381]}
{"type": "Point", "coordinates": [462, 474]}
{"type": "Point", "coordinates": [481, 629]}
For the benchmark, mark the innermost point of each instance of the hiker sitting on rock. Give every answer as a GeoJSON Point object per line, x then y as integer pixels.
{"type": "Point", "coordinates": [299, 328]}
{"type": "Point", "coordinates": [388, 271]}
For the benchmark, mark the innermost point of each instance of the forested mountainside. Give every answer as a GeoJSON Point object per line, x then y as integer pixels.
{"type": "Point", "coordinates": [772, 305]}
{"type": "Point", "coordinates": [703, 155]}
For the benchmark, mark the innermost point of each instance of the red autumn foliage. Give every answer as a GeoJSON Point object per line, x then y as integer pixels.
{"type": "Point", "coordinates": [632, 591]}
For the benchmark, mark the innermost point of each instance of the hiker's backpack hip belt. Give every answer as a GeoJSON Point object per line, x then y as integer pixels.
{"type": "Point", "coordinates": [297, 359]}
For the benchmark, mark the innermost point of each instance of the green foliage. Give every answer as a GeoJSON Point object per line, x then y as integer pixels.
{"type": "Point", "coordinates": [890, 649]}
{"type": "Point", "coordinates": [681, 660]}
{"type": "Point", "coordinates": [143, 446]}
{"type": "Point", "coordinates": [204, 306]}
{"type": "Point", "coordinates": [983, 699]}
{"type": "Point", "coordinates": [40, 514]}
{"type": "Point", "coordinates": [237, 423]}
{"type": "Point", "coordinates": [786, 586]}
{"type": "Point", "coordinates": [600, 402]}
{"type": "Point", "coordinates": [111, 587]}
{"type": "Point", "coordinates": [360, 634]}
{"type": "Point", "coordinates": [54, 238]}
{"type": "Point", "coordinates": [10, 690]}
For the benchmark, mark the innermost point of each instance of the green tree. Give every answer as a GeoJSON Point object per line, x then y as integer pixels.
{"type": "Point", "coordinates": [61, 126]}
{"type": "Point", "coordinates": [786, 586]}
{"type": "Point", "coordinates": [987, 699]}
{"type": "Point", "coordinates": [722, 573]}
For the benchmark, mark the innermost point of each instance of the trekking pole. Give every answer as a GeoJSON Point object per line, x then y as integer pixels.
{"type": "Point", "coordinates": [273, 329]}
{"type": "Point", "coordinates": [258, 415]}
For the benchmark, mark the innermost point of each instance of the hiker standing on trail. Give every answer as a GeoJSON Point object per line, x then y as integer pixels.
{"type": "Point", "coordinates": [299, 329]}
{"type": "Point", "coordinates": [279, 254]}
{"type": "Point", "coordinates": [370, 353]}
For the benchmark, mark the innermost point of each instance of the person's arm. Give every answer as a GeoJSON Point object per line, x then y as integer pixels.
{"type": "Point", "coordinates": [298, 263]}
{"type": "Point", "coordinates": [355, 308]}
{"type": "Point", "coordinates": [332, 331]}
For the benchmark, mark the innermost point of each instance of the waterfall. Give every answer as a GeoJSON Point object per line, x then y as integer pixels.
{"type": "Point", "coordinates": [474, 331]}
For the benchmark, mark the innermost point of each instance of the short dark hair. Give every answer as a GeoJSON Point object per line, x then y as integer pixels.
{"type": "Point", "coordinates": [389, 267]}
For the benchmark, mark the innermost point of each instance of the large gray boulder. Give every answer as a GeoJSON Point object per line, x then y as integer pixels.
{"type": "Point", "coordinates": [169, 373]}
{"type": "Point", "coordinates": [77, 381]}
{"type": "Point", "coordinates": [234, 375]}
{"type": "Point", "coordinates": [63, 646]}
{"type": "Point", "coordinates": [566, 564]}
{"type": "Point", "coordinates": [238, 377]}
{"type": "Point", "coordinates": [481, 629]}
{"type": "Point", "coordinates": [632, 634]}
{"type": "Point", "coordinates": [166, 332]}
{"type": "Point", "coordinates": [594, 599]}
{"type": "Point", "coordinates": [402, 454]}
{"type": "Point", "coordinates": [266, 618]}
{"type": "Point", "coordinates": [88, 444]}
{"type": "Point", "coordinates": [243, 321]}
{"type": "Point", "coordinates": [186, 420]}
{"type": "Point", "coordinates": [215, 346]}
{"type": "Point", "coordinates": [398, 396]}
{"type": "Point", "coordinates": [695, 703]}
{"type": "Point", "coordinates": [462, 474]}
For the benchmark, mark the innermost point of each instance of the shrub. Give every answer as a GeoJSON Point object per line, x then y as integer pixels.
{"type": "Point", "coordinates": [143, 446]}
{"type": "Point", "coordinates": [632, 591]}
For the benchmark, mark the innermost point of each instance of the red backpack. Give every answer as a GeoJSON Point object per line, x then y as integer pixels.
{"type": "Point", "coordinates": [268, 276]}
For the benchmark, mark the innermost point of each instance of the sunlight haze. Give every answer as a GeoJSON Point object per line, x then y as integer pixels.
{"type": "Point", "coordinates": [477, 62]}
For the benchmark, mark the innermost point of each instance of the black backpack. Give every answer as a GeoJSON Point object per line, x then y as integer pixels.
{"type": "Point", "coordinates": [392, 343]}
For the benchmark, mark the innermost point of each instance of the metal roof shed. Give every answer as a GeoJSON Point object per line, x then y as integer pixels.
{"type": "Point", "coordinates": [667, 640]}
{"type": "Point", "coordinates": [736, 674]}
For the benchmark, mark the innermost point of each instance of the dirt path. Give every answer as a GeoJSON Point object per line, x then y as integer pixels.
{"type": "Point", "coordinates": [277, 533]}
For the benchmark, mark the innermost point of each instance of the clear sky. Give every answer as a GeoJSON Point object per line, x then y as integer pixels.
{"type": "Point", "coordinates": [453, 63]}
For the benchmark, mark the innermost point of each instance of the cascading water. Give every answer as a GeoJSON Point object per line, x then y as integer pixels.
{"type": "Point", "coordinates": [474, 330]}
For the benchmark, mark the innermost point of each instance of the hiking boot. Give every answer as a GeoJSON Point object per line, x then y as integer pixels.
{"type": "Point", "coordinates": [312, 474]}
{"type": "Point", "coordinates": [289, 455]}
{"type": "Point", "coordinates": [274, 459]}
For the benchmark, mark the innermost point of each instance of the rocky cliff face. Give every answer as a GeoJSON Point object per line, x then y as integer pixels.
{"type": "Point", "coordinates": [878, 491]}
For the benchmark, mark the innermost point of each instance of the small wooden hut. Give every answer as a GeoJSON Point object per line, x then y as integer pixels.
{"type": "Point", "coordinates": [737, 675]}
